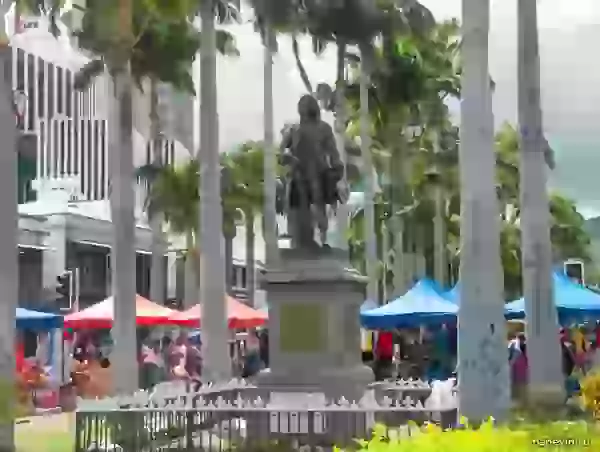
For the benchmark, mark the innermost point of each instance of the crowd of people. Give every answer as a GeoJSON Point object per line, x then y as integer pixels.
{"type": "Point", "coordinates": [178, 358]}
{"type": "Point", "coordinates": [431, 354]}
{"type": "Point", "coordinates": [579, 350]}
{"type": "Point", "coordinates": [413, 353]}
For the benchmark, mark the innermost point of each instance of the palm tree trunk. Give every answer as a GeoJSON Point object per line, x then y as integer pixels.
{"type": "Point", "coordinates": [8, 244]}
{"type": "Point", "coordinates": [250, 257]}
{"type": "Point", "coordinates": [399, 272]}
{"type": "Point", "coordinates": [483, 367]}
{"type": "Point", "coordinates": [543, 342]}
{"type": "Point", "coordinates": [420, 263]}
{"type": "Point", "coordinates": [270, 215]}
{"type": "Point", "coordinates": [122, 205]}
{"type": "Point", "coordinates": [439, 232]}
{"type": "Point", "coordinates": [212, 279]}
{"type": "Point", "coordinates": [342, 215]}
{"type": "Point", "coordinates": [365, 147]}
{"type": "Point", "coordinates": [398, 176]}
{"type": "Point", "coordinates": [191, 273]}
{"type": "Point", "coordinates": [157, 272]}
{"type": "Point", "coordinates": [123, 266]}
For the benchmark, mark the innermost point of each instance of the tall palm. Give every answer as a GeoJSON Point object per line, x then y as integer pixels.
{"type": "Point", "coordinates": [269, 157]}
{"type": "Point", "coordinates": [8, 241]}
{"type": "Point", "coordinates": [546, 381]}
{"type": "Point", "coordinates": [122, 205]}
{"type": "Point", "coordinates": [131, 41]}
{"type": "Point", "coordinates": [212, 268]}
{"type": "Point", "coordinates": [174, 196]}
{"type": "Point", "coordinates": [157, 274]}
{"type": "Point", "coordinates": [483, 371]}
{"type": "Point", "coordinates": [247, 195]}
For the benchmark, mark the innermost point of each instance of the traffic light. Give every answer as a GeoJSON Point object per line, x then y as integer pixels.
{"type": "Point", "coordinates": [64, 285]}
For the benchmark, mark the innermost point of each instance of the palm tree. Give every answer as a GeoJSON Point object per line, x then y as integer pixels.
{"type": "Point", "coordinates": [483, 371]}
{"type": "Point", "coordinates": [174, 196]}
{"type": "Point", "coordinates": [8, 242]}
{"type": "Point", "coordinates": [246, 195]}
{"type": "Point", "coordinates": [212, 268]}
{"type": "Point", "coordinates": [546, 380]}
{"type": "Point", "coordinates": [413, 73]}
{"type": "Point", "coordinates": [147, 37]}
{"type": "Point", "coordinates": [157, 274]}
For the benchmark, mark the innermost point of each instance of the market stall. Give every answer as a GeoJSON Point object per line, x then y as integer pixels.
{"type": "Point", "coordinates": [573, 302]}
{"type": "Point", "coordinates": [101, 315]}
{"type": "Point", "coordinates": [91, 372]}
{"type": "Point", "coordinates": [38, 378]}
{"type": "Point", "coordinates": [239, 316]}
{"type": "Point", "coordinates": [420, 306]}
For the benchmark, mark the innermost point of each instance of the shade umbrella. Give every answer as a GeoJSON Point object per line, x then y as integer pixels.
{"type": "Point", "coordinates": [34, 320]}
{"type": "Point", "coordinates": [572, 300]}
{"type": "Point", "coordinates": [239, 316]}
{"type": "Point", "coordinates": [421, 305]}
{"type": "Point", "coordinates": [101, 315]}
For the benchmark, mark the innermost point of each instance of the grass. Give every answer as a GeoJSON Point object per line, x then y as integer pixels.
{"type": "Point", "coordinates": [54, 433]}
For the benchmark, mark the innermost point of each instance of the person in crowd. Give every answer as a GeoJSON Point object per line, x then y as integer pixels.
{"type": "Point", "coordinates": [568, 354]}
{"type": "Point", "coordinates": [594, 361]}
{"type": "Point", "coordinates": [193, 360]}
{"type": "Point", "coordinates": [152, 365]}
{"type": "Point", "coordinates": [580, 347]}
{"type": "Point", "coordinates": [384, 354]}
{"type": "Point", "coordinates": [264, 347]}
{"type": "Point", "coordinates": [366, 342]}
{"type": "Point", "coordinates": [519, 367]}
{"type": "Point", "coordinates": [440, 350]}
{"type": "Point", "coordinates": [252, 361]}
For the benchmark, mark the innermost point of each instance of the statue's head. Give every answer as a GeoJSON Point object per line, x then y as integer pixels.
{"type": "Point", "coordinates": [308, 108]}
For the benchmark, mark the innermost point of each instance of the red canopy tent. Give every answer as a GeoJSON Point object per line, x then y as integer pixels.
{"type": "Point", "coordinates": [239, 316]}
{"type": "Point", "coordinates": [101, 315]}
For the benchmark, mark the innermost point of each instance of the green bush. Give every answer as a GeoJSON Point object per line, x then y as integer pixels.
{"type": "Point", "coordinates": [522, 437]}
{"type": "Point", "coordinates": [590, 393]}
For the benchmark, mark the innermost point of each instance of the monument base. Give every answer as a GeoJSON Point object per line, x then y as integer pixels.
{"type": "Point", "coordinates": [314, 332]}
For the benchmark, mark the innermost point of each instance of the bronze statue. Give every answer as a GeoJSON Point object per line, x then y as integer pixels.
{"type": "Point", "coordinates": [314, 169]}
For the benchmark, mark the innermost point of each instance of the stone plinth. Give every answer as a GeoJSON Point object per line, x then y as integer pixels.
{"type": "Point", "coordinates": [314, 332]}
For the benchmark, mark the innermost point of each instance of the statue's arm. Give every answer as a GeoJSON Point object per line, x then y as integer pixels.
{"type": "Point", "coordinates": [286, 140]}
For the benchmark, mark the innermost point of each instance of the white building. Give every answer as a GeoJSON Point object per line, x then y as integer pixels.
{"type": "Point", "coordinates": [63, 170]}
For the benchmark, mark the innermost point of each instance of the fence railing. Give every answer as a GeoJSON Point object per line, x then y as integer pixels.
{"type": "Point", "coordinates": [236, 418]}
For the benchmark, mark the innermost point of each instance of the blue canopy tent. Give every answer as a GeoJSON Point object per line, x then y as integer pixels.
{"type": "Point", "coordinates": [35, 320]}
{"type": "Point", "coordinates": [421, 305]}
{"type": "Point", "coordinates": [453, 294]}
{"type": "Point", "coordinates": [573, 301]}
{"type": "Point", "coordinates": [368, 305]}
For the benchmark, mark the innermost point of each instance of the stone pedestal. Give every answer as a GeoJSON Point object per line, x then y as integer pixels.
{"type": "Point", "coordinates": [314, 332]}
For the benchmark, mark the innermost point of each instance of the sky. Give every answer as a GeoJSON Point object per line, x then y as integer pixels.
{"type": "Point", "coordinates": [569, 31]}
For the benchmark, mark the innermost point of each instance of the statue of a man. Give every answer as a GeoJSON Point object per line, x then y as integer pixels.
{"type": "Point", "coordinates": [314, 169]}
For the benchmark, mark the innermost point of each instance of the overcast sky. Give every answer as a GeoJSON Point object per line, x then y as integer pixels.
{"type": "Point", "coordinates": [570, 69]}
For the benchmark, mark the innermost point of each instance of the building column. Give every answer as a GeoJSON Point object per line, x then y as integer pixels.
{"type": "Point", "coordinates": [54, 259]}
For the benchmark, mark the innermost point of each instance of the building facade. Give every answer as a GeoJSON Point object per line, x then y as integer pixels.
{"type": "Point", "coordinates": [63, 173]}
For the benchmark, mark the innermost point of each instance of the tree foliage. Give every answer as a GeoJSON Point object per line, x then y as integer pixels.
{"type": "Point", "coordinates": [165, 41]}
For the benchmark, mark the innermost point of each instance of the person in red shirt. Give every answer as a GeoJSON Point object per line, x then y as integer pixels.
{"type": "Point", "coordinates": [20, 357]}
{"type": "Point", "coordinates": [384, 352]}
